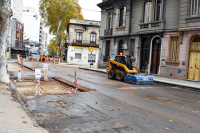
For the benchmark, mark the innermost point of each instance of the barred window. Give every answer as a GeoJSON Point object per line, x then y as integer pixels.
{"type": "Point", "coordinates": [194, 8]}
{"type": "Point", "coordinates": [174, 48]}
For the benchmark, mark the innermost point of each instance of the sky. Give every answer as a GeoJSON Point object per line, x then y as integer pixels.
{"type": "Point", "coordinates": [87, 8]}
{"type": "Point", "coordinates": [91, 5]}
{"type": "Point", "coordinates": [90, 11]}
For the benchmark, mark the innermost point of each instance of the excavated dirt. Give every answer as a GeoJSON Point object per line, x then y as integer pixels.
{"type": "Point", "coordinates": [15, 67]}
{"type": "Point", "coordinates": [29, 88]}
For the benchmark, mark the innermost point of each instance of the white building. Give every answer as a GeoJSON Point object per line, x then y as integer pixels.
{"type": "Point", "coordinates": [16, 6]}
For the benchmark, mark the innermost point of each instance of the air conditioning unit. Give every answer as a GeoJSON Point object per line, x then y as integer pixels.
{"type": "Point", "coordinates": [124, 46]}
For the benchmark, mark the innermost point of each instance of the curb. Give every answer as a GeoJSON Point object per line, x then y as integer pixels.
{"type": "Point", "coordinates": [13, 88]}
{"type": "Point", "coordinates": [157, 81]}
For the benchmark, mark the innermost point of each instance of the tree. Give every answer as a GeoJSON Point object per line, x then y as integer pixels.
{"type": "Point", "coordinates": [52, 47]}
{"type": "Point", "coordinates": [5, 23]}
{"type": "Point", "coordinates": [57, 13]}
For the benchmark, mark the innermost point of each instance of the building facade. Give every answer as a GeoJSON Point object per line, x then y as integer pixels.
{"type": "Point", "coordinates": [162, 35]}
{"type": "Point", "coordinates": [17, 38]}
{"type": "Point", "coordinates": [83, 34]}
{"type": "Point", "coordinates": [16, 6]}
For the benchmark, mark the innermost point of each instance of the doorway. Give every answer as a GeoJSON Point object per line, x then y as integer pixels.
{"type": "Point", "coordinates": [107, 51]}
{"type": "Point", "coordinates": [145, 55]}
{"type": "Point", "coordinates": [121, 42]}
{"type": "Point", "coordinates": [132, 47]}
{"type": "Point", "coordinates": [194, 59]}
{"type": "Point", "coordinates": [155, 61]}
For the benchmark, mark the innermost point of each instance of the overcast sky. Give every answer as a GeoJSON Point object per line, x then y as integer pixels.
{"type": "Point", "coordinates": [90, 11]}
{"type": "Point", "coordinates": [87, 5]}
{"type": "Point", "coordinates": [92, 5]}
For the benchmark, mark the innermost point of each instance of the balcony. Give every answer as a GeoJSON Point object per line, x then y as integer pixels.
{"type": "Point", "coordinates": [108, 32]}
{"type": "Point", "coordinates": [157, 24]}
{"type": "Point", "coordinates": [85, 43]}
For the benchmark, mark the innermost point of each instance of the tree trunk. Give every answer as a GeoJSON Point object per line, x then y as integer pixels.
{"type": "Point", "coordinates": [5, 23]}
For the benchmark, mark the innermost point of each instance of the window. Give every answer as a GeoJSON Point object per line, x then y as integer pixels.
{"type": "Point", "coordinates": [78, 56]}
{"type": "Point", "coordinates": [93, 38]}
{"type": "Point", "coordinates": [79, 37]}
{"type": "Point", "coordinates": [174, 48]}
{"type": "Point", "coordinates": [153, 12]}
{"type": "Point", "coordinates": [120, 17]}
{"type": "Point", "coordinates": [148, 12]}
{"type": "Point", "coordinates": [91, 58]}
{"type": "Point", "coordinates": [158, 12]}
{"type": "Point", "coordinates": [194, 8]}
{"type": "Point", "coordinates": [109, 21]}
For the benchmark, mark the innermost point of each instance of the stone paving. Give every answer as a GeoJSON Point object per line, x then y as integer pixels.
{"type": "Point", "coordinates": [13, 119]}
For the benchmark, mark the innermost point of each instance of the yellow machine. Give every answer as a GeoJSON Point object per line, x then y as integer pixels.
{"type": "Point", "coordinates": [122, 69]}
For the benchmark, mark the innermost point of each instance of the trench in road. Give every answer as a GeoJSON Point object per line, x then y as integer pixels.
{"type": "Point", "coordinates": [131, 97]}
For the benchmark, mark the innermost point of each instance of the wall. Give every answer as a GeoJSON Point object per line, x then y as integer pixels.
{"type": "Point", "coordinates": [103, 22]}
{"type": "Point", "coordinates": [84, 55]}
{"type": "Point", "coordinates": [86, 33]}
{"type": "Point", "coordinates": [179, 71]}
{"type": "Point", "coordinates": [118, 5]}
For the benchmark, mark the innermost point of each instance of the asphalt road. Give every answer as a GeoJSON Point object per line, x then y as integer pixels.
{"type": "Point", "coordinates": [135, 108]}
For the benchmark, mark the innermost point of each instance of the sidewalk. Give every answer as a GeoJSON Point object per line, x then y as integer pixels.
{"type": "Point", "coordinates": [13, 119]}
{"type": "Point", "coordinates": [185, 83]}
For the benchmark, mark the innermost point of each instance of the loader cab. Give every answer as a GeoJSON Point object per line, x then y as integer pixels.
{"type": "Point", "coordinates": [125, 59]}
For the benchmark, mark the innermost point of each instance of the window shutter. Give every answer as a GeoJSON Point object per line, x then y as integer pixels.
{"type": "Point", "coordinates": [146, 13]}
{"type": "Point", "coordinates": [117, 17]}
{"type": "Point", "coordinates": [150, 11]}
{"type": "Point", "coordinates": [124, 17]}
{"type": "Point", "coordinates": [111, 21]}
{"type": "Point", "coordinates": [107, 19]}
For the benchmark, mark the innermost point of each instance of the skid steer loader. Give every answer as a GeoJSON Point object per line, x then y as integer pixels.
{"type": "Point", "coordinates": [121, 68]}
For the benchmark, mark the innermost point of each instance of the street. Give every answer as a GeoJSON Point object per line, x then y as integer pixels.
{"type": "Point", "coordinates": [115, 106]}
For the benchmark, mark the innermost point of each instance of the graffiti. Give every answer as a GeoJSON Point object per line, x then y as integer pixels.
{"type": "Point", "coordinates": [112, 50]}
{"type": "Point", "coordinates": [179, 71]}
{"type": "Point", "coordinates": [112, 54]}
{"type": "Point", "coordinates": [85, 58]}
{"type": "Point", "coordinates": [167, 70]}
{"type": "Point", "coordinates": [71, 58]}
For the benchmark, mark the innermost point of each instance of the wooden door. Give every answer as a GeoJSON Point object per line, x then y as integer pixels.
{"type": "Point", "coordinates": [197, 66]}
{"type": "Point", "coordinates": [145, 55]}
{"type": "Point", "coordinates": [155, 61]}
{"type": "Point", "coordinates": [191, 70]}
{"type": "Point", "coordinates": [107, 51]}
{"type": "Point", "coordinates": [194, 61]}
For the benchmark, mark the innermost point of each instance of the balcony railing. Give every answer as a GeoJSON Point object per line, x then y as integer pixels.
{"type": "Point", "coordinates": [85, 42]}
{"type": "Point", "coordinates": [151, 25]}
{"type": "Point", "coordinates": [108, 32]}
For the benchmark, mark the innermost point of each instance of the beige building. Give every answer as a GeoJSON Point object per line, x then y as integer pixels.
{"type": "Point", "coordinates": [83, 34]}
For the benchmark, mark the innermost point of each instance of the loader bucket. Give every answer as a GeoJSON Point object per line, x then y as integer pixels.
{"type": "Point", "coordinates": [139, 79]}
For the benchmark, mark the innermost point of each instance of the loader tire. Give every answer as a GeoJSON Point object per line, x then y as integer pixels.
{"type": "Point", "coordinates": [120, 76]}
{"type": "Point", "coordinates": [111, 74]}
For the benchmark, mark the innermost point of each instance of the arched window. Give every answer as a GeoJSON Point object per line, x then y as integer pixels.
{"type": "Point", "coordinates": [93, 38]}
{"type": "Point", "coordinates": [121, 42]}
